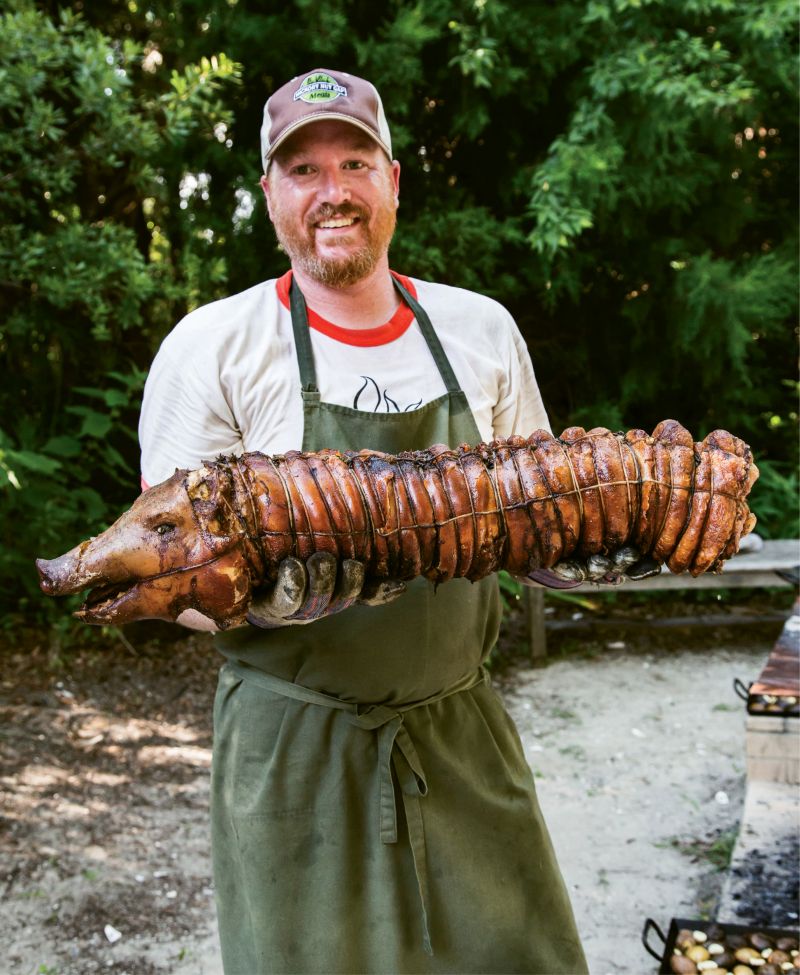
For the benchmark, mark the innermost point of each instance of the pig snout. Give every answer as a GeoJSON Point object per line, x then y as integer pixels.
{"type": "Point", "coordinates": [66, 574]}
{"type": "Point", "coordinates": [49, 576]}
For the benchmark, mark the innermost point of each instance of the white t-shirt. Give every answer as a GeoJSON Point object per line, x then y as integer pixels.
{"type": "Point", "coordinates": [226, 379]}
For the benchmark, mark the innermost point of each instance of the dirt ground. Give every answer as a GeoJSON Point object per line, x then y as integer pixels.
{"type": "Point", "coordinates": [634, 734]}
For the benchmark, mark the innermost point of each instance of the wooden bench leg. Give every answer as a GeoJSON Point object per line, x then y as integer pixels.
{"type": "Point", "coordinates": [534, 617]}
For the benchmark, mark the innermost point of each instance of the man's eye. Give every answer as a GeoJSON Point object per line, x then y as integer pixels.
{"type": "Point", "coordinates": [164, 529]}
{"type": "Point", "coordinates": [302, 170]}
{"type": "Point", "coordinates": [354, 164]}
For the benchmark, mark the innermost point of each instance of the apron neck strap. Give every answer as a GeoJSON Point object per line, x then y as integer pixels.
{"type": "Point", "coordinates": [305, 357]}
{"type": "Point", "coordinates": [432, 339]}
{"type": "Point", "coordinates": [302, 339]}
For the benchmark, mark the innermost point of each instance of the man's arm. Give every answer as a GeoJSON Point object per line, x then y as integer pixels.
{"type": "Point", "coordinates": [185, 420]}
{"type": "Point", "coordinates": [519, 409]}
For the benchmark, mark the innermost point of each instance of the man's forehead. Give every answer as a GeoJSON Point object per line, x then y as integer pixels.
{"type": "Point", "coordinates": [325, 134]}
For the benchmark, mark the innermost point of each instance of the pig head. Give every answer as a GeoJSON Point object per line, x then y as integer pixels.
{"type": "Point", "coordinates": [179, 553]}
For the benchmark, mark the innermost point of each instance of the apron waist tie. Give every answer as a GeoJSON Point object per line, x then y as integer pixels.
{"type": "Point", "coordinates": [395, 749]}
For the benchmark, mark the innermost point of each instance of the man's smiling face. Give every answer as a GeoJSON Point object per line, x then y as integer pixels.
{"type": "Point", "coordinates": [332, 196]}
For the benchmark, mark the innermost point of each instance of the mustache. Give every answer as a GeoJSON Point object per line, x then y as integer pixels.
{"type": "Point", "coordinates": [327, 211]}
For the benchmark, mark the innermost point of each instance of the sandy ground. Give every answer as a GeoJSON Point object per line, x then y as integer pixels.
{"type": "Point", "coordinates": [640, 772]}
{"type": "Point", "coordinates": [637, 750]}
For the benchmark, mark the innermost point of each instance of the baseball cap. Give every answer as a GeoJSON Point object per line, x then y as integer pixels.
{"type": "Point", "coordinates": [323, 94]}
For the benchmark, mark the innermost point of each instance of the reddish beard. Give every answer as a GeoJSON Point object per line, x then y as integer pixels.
{"type": "Point", "coordinates": [300, 244]}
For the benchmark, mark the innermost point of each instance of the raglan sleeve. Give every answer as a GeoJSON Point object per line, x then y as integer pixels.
{"type": "Point", "coordinates": [519, 408]}
{"type": "Point", "coordinates": [185, 418]}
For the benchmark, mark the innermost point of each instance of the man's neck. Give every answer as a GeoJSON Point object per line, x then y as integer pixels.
{"type": "Point", "coordinates": [368, 303]}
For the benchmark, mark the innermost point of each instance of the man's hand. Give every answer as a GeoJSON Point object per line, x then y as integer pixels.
{"type": "Point", "coordinates": [321, 586]}
{"type": "Point", "coordinates": [626, 563]}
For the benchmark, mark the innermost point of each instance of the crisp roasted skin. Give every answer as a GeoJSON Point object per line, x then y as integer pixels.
{"type": "Point", "coordinates": [177, 550]}
{"type": "Point", "coordinates": [519, 504]}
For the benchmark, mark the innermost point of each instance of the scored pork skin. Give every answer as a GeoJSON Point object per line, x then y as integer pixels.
{"type": "Point", "coordinates": [517, 504]}
{"type": "Point", "coordinates": [203, 541]}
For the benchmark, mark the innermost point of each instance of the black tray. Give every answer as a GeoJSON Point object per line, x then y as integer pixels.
{"type": "Point", "coordinates": [757, 703]}
{"type": "Point", "coordinates": [680, 923]}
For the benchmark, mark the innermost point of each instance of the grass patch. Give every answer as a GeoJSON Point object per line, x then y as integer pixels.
{"type": "Point", "coordinates": [717, 850]}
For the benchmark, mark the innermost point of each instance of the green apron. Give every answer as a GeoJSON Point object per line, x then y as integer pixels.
{"type": "Point", "coordinates": [372, 810]}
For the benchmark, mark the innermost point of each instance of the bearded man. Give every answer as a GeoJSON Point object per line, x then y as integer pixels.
{"type": "Point", "coordinates": [372, 807]}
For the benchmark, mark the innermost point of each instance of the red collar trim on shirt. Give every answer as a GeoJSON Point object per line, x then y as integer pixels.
{"type": "Point", "coordinates": [380, 335]}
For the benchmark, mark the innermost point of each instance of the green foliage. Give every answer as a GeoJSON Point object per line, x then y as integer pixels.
{"type": "Point", "coordinates": [773, 498]}
{"type": "Point", "coordinates": [83, 300]}
{"type": "Point", "coordinates": [510, 589]}
{"type": "Point", "coordinates": [620, 173]}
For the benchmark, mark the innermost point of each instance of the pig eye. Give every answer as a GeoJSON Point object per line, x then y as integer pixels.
{"type": "Point", "coordinates": [164, 529]}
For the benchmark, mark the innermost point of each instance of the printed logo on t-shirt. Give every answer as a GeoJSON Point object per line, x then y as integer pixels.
{"type": "Point", "coordinates": [370, 399]}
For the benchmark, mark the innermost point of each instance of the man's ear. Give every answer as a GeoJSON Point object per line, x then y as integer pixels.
{"type": "Point", "coordinates": [396, 181]}
{"type": "Point", "coordinates": [264, 181]}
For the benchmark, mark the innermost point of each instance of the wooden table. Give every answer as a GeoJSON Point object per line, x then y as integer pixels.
{"type": "Point", "coordinates": [749, 570]}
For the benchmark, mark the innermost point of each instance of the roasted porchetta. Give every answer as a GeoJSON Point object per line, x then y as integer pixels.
{"type": "Point", "coordinates": [204, 539]}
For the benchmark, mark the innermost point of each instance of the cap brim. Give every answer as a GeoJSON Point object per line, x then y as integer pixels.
{"type": "Point", "coordinates": [321, 117]}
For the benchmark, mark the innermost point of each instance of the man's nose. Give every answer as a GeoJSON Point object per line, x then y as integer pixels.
{"type": "Point", "coordinates": [334, 187]}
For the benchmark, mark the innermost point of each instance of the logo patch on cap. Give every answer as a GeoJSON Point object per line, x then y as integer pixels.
{"type": "Point", "coordinates": [319, 88]}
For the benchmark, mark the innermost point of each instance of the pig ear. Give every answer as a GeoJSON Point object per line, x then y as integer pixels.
{"type": "Point", "coordinates": [210, 492]}
{"type": "Point", "coordinates": [201, 483]}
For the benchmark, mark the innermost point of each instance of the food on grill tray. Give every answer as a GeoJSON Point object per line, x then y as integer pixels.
{"type": "Point", "coordinates": [714, 951]}
{"type": "Point", "coordinates": [774, 704]}
{"type": "Point", "coordinates": [776, 691]}
{"type": "Point", "coordinates": [204, 539]}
